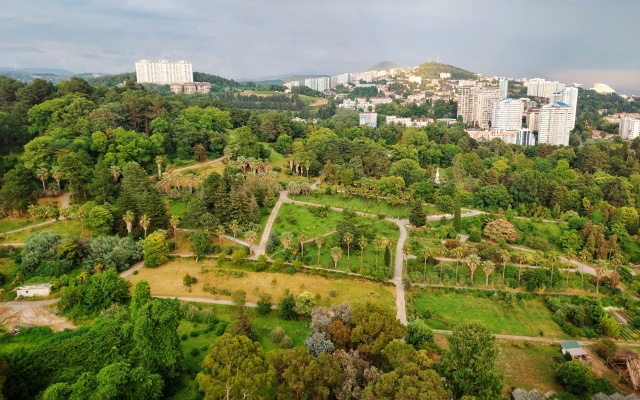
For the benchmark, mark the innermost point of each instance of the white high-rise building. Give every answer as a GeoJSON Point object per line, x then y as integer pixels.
{"type": "Point", "coordinates": [570, 98]}
{"type": "Point", "coordinates": [369, 119]}
{"type": "Point", "coordinates": [507, 114]}
{"type": "Point", "coordinates": [533, 119]}
{"type": "Point", "coordinates": [538, 87]}
{"type": "Point", "coordinates": [164, 72]}
{"type": "Point", "coordinates": [503, 84]}
{"type": "Point", "coordinates": [475, 104]}
{"type": "Point", "coordinates": [555, 124]}
{"type": "Point", "coordinates": [319, 84]}
{"type": "Point", "coordinates": [629, 127]}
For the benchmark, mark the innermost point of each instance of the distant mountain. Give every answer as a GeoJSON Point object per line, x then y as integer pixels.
{"type": "Point", "coordinates": [432, 70]}
{"type": "Point", "coordinates": [384, 66]}
{"type": "Point", "coordinates": [108, 80]}
{"type": "Point", "coordinates": [37, 71]}
{"type": "Point", "coordinates": [281, 79]}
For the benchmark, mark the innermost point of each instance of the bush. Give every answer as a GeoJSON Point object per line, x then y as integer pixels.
{"type": "Point", "coordinates": [575, 377]}
{"type": "Point", "coordinates": [277, 335]}
{"type": "Point", "coordinates": [238, 256]}
{"type": "Point", "coordinates": [305, 303]}
{"type": "Point", "coordinates": [605, 348]}
{"type": "Point", "coordinates": [475, 236]}
{"type": "Point", "coordinates": [264, 304]}
{"type": "Point", "coordinates": [155, 249]}
{"type": "Point", "coordinates": [287, 343]}
{"type": "Point", "coordinates": [419, 334]}
{"type": "Point", "coordinates": [287, 308]}
{"type": "Point", "coordinates": [261, 263]}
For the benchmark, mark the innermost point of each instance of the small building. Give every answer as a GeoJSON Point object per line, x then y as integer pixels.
{"type": "Point", "coordinates": [39, 290]}
{"type": "Point", "coordinates": [574, 349]}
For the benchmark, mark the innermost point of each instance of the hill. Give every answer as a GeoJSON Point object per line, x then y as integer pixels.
{"type": "Point", "coordinates": [38, 71]}
{"type": "Point", "coordinates": [109, 80]}
{"type": "Point", "coordinates": [383, 66]}
{"type": "Point", "coordinates": [432, 70]}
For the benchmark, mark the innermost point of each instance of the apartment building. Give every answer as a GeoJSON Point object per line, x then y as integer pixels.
{"type": "Point", "coordinates": [164, 72]}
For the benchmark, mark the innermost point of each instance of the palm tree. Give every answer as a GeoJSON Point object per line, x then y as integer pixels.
{"type": "Point", "coordinates": [174, 222]}
{"type": "Point", "coordinates": [379, 243]}
{"type": "Point", "coordinates": [585, 257]}
{"type": "Point", "coordinates": [159, 161]}
{"type": "Point", "coordinates": [220, 233]}
{"type": "Point", "coordinates": [128, 219]}
{"type": "Point", "coordinates": [43, 174]}
{"type": "Point", "coordinates": [426, 253]}
{"type": "Point", "coordinates": [520, 258]}
{"type": "Point", "coordinates": [571, 255]}
{"type": "Point", "coordinates": [56, 175]}
{"type": "Point", "coordinates": [406, 251]}
{"type": "Point", "coordinates": [601, 267]}
{"type": "Point", "coordinates": [302, 238]}
{"type": "Point", "coordinates": [474, 263]}
{"type": "Point", "coordinates": [115, 171]}
{"type": "Point", "coordinates": [553, 257]}
{"type": "Point", "coordinates": [81, 214]}
{"type": "Point", "coordinates": [234, 226]}
{"type": "Point", "coordinates": [392, 245]}
{"type": "Point", "coordinates": [286, 238]}
{"type": "Point", "coordinates": [64, 213]}
{"type": "Point", "coordinates": [458, 254]}
{"type": "Point", "coordinates": [537, 257]}
{"type": "Point", "coordinates": [505, 257]}
{"type": "Point", "coordinates": [250, 237]}
{"type": "Point", "coordinates": [319, 242]}
{"type": "Point", "coordinates": [617, 261]}
{"type": "Point", "coordinates": [144, 223]}
{"type": "Point", "coordinates": [33, 211]}
{"type": "Point", "coordinates": [336, 253]}
{"type": "Point", "coordinates": [348, 239]}
{"type": "Point", "coordinates": [488, 267]}
{"type": "Point", "coordinates": [362, 242]}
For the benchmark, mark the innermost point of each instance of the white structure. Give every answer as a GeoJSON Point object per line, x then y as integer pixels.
{"type": "Point", "coordinates": [320, 84]}
{"type": "Point", "coordinates": [570, 98]}
{"type": "Point", "coordinates": [538, 87]}
{"type": "Point", "coordinates": [507, 114]}
{"type": "Point", "coordinates": [342, 79]}
{"type": "Point", "coordinates": [392, 119]}
{"type": "Point", "coordinates": [503, 84]}
{"type": "Point", "coordinates": [292, 84]}
{"type": "Point", "coordinates": [475, 104]}
{"type": "Point", "coordinates": [445, 75]}
{"type": "Point", "coordinates": [369, 119]}
{"type": "Point", "coordinates": [555, 124]}
{"type": "Point", "coordinates": [39, 290]}
{"type": "Point", "coordinates": [533, 119]}
{"type": "Point", "coordinates": [415, 79]}
{"type": "Point", "coordinates": [629, 127]}
{"type": "Point", "coordinates": [163, 72]}
{"type": "Point", "coordinates": [525, 137]}
{"type": "Point", "coordinates": [522, 137]}
{"type": "Point", "coordinates": [603, 89]}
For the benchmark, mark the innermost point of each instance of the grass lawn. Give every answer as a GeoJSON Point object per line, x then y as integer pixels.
{"type": "Point", "coordinates": [299, 219]}
{"type": "Point", "coordinates": [10, 224]}
{"type": "Point", "coordinates": [184, 245]}
{"type": "Point", "coordinates": [59, 227]}
{"type": "Point", "coordinates": [529, 367]}
{"type": "Point", "coordinates": [361, 204]}
{"type": "Point", "coordinates": [166, 280]}
{"type": "Point", "coordinates": [278, 160]}
{"type": "Point", "coordinates": [177, 207]}
{"type": "Point", "coordinates": [526, 318]}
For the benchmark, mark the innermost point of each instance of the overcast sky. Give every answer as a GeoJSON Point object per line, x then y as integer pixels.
{"type": "Point", "coordinates": [582, 41]}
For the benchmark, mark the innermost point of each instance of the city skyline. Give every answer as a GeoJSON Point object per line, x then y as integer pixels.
{"type": "Point", "coordinates": [253, 39]}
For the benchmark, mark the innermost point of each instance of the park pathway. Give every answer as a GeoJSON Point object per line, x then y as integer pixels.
{"type": "Point", "coordinates": [262, 247]}
{"type": "Point", "coordinates": [401, 305]}
{"type": "Point", "coordinates": [66, 198]}
{"type": "Point", "coordinates": [195, 166]}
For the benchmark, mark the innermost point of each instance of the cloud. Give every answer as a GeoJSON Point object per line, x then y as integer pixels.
{"type": "Point", "coordinates": [254, 38]}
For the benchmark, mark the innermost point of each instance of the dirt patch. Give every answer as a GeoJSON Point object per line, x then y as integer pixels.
{"type": "Point", "coordinates": [14, 315]}
{"type": "Point", "coordinates": [320, 102]}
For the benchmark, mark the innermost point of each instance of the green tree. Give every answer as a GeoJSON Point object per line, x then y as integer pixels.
{"type": "Point", "coordinates": [155, 249]}
{"type": "Point", "coordinates": [305, 303]}
{"type": "Point", "coordinates": [18, 190]}
{"type": "Point", "coordinates": [235, 368]}
{"type": "Point", "coordinates": [200, 243]}
{"type": "Point", "coordinates": [287, 308]}
{"type": "Point", "coordinates": [419, 334]}
{"type": "Point", "coordinates": [575, 377]}
{"type": "Point", "coordinates": [99, 221]}
{"type": "Point", "coordinates": [469, 366]}
{"type": "Point", "coordinates": [373, 328]}
{"type": "Point", "coordinates": [417, 217]}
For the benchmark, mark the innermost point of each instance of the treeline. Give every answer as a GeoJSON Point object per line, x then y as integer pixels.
{"type": "Point", "coordinates": [254, 102]}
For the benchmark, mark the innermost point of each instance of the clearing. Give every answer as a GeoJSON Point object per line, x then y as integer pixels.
{"type": "Point", "coordinates": [524, 318]}
{"type": "Point", "coordinates": [32, 313]}
{"type": "Point", "coordinates": [167, 279]}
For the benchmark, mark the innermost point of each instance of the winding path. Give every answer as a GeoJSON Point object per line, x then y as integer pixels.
{"type": "Point", "coordinates": [195, 166]}
{"type": "Point", "coordinates": [66, 198]}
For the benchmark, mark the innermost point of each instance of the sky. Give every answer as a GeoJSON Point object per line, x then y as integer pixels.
{"type": "Point", "coordinates": [584, 41]}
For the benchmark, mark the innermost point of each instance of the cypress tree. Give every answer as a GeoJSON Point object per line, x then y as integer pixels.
{"type": "Point", "coordinates": [457, 218]}
{"type": "Point", "coordinates": [417, 217]}
{"type": "Point", "coordinates": [387, 256]}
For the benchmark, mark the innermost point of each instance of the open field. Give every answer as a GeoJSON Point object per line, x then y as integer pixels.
{"type": "Point", "coordinates": [278, 160]}
{"type": "Point", "coordinates": [184, 245]}
{"type": "Point", "coordinates": [166, 280]}
{"type": "Point", "coordinates": [361, 204]}
{"type": "Point", "coordinates": [300, 219]}
{"type": "Point", "coordinates": [529, 367]}
{"type": "Point", "coordinates": [10, 224]}
{"type": "Point", "coordinates": [524, 318]}
{"type": "Point", "coordinates": [63, 228]}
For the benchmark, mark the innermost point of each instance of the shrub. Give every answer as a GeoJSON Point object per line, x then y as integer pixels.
{"type": "Point", "coordinates": [575, 377]}
{"type": "Point", "coordinates": [605, 348]}
{"type": "Point", "coordinates": [277, 335]}
{"type": "Point", "coordinates": [264, 304]}
{"type": "Point", "coordinates": [305, 303]}
{"type": "Point", "coordinates": [419, 334]}
{"type": "Point", "coordinates": [238, 256]}
{"type": "Point", "coordinates": [287, 308]}
{"type": "Point", "coordinates": [261, 263]}
{"type": "Point", "coordinates": [287, 343]}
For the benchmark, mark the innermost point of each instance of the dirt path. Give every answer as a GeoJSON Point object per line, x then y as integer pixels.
{"type": "Point", "coordinates": [205, 300]}
{"type": "Point", "coordinates": [262, 246]}
{"type": "Point", "coordinates": [401, 312]}
{"type": "Point", "coordinates": [196, 166]}
{"type": "Point", "coordinates": [133, 268]}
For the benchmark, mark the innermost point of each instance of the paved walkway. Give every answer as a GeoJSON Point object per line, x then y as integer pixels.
{"type": "Point", "coordinates": [66, 198]}
{"type": "Point", "coordinates": [401, 305]}
{"type": "Point", "coordinates": [262, 246]}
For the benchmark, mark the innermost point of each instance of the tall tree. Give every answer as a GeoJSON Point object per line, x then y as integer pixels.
{"type": "Point", "coordinates": [319, 241]}
{"type": "Point", "coordinates": [128, 219]}
{"type": "Point", "coordinates": [362, 242]}
{"type": "Point", "coordinates": [144, 223]}
{"type": "Point", "coordinates": [336, 254]}
{"type": "Point", "coordinates": [200, 243]}
{"type": "Point", "coordinates": [469, 366]}
{"type": "Point", "coordinates": [348, 239]}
